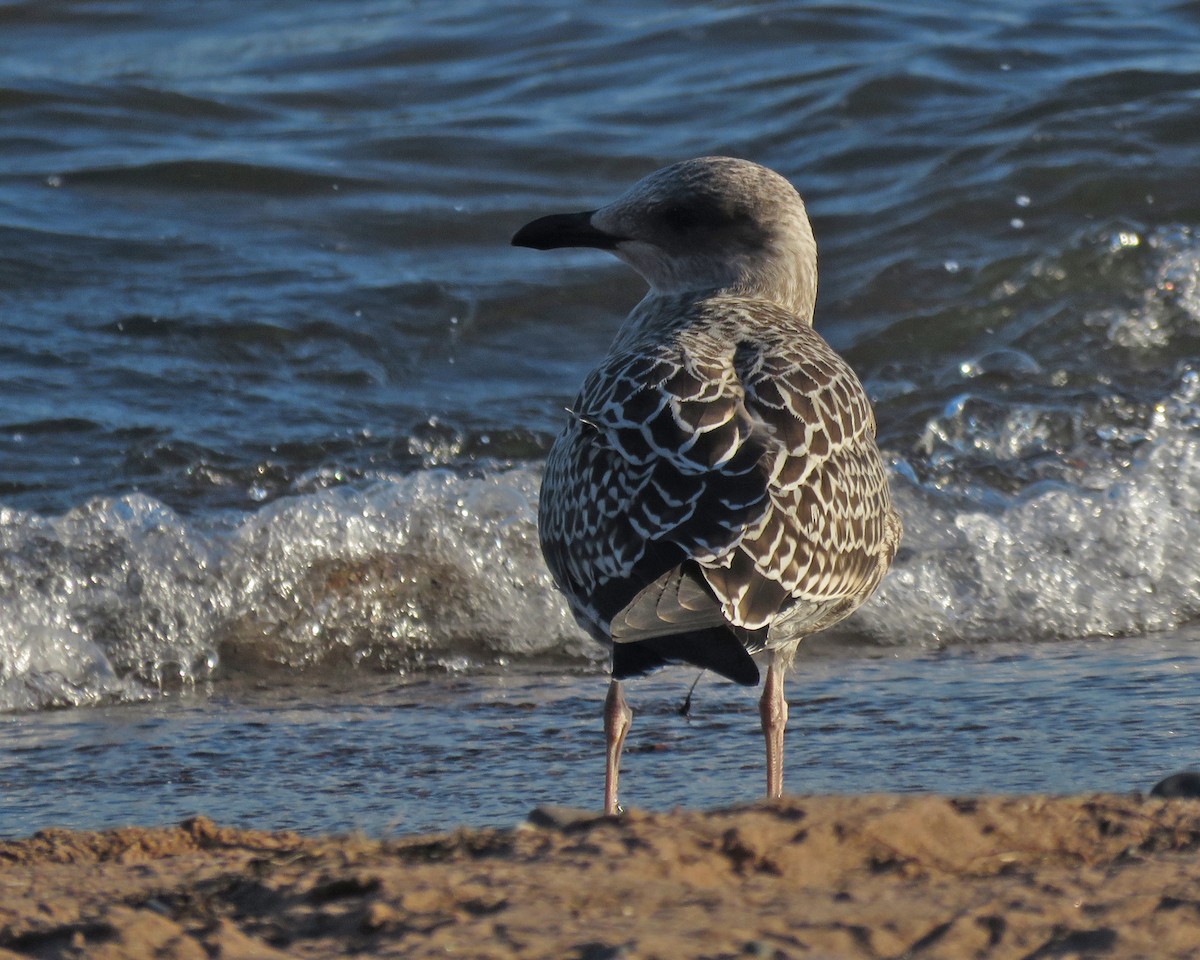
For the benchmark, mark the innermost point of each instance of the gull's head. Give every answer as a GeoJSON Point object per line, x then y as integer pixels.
{"type": "Point", "coordinates": [714, 223]}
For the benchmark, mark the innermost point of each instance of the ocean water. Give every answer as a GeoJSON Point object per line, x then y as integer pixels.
{"type": "Point", "coordinates": [368, 753]}
{"type": "Point", "coordinates": [275, 393]}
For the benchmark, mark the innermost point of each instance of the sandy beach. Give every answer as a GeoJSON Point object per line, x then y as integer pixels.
{"type": "Point", "coordinates": [831, 877]}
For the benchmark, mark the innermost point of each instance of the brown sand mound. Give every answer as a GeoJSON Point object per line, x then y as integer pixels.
{"type": "Point", "coordinates": [830, 877]}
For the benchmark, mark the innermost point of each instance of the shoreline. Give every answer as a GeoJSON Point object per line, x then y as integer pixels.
{"type": "Point", "coordinates": [831, 876]}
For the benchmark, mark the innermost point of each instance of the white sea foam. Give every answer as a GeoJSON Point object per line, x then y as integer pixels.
{"type": "Point", "coordinates": [111, 600]}
{"type": "Point", "coordinates": [121, 598]}
{"type": "Point", "coordinates": [427, 569]}
{"type": "Point", "coordinates": [1112, 554]}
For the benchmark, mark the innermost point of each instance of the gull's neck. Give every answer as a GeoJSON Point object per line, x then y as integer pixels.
{"type": "Point", "coordinates": [659, 311]}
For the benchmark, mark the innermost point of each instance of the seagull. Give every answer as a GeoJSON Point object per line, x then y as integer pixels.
{"type": "Point", "coordinates": [717, 494]}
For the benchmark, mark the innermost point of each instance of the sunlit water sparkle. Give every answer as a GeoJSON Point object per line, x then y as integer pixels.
{"type": "Point", "coordinates": [275, 393]}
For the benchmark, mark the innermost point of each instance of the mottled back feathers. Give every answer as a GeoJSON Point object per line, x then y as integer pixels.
{"type": "Point", "coordinates": [718, 471]}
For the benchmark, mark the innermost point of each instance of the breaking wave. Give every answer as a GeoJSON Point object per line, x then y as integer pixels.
{"type": "Point", "coordinates": [124, 598]}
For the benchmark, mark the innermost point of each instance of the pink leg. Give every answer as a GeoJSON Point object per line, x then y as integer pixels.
{"type": "Point", "coordinates": [617, 718]}
{"type": "Point", "coordinates": [774, 712]}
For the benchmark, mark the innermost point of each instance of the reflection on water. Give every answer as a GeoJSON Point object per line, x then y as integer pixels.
{"type": "Point", "coordinates": [360, 753]}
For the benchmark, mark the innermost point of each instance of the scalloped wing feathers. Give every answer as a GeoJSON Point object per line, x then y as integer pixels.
{"type": "Point", "coordinates": [719, 470]}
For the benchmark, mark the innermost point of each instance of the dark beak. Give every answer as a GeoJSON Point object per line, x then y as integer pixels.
{"type": "Point", "coordinates": [564, 230]}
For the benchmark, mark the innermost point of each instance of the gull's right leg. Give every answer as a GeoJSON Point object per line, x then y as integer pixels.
{"type": "Point", "coordinates": [617, 718]}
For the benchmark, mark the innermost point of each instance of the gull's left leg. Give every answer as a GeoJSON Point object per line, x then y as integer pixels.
{"type": "Point", "coordinates": [774, 712]}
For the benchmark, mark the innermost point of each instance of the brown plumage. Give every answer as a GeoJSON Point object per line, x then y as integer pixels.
{"type": "Point", "coordinates": [717, 493]}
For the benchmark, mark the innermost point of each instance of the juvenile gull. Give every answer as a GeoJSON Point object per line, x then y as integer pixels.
{"type": "Point", "coordinates": [716, 495]}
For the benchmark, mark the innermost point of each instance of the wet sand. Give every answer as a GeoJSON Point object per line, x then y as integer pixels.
{"type": "Point", "coordinates": [845, 877]}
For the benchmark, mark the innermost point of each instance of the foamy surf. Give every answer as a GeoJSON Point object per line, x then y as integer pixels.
{"type": "Point", "coordinates": [123, 598]}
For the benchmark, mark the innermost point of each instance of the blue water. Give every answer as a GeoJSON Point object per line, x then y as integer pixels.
{"type": "Point", "coordinates": [370, 754]}
{"type": "Point", "coordinates": [275, 391]}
